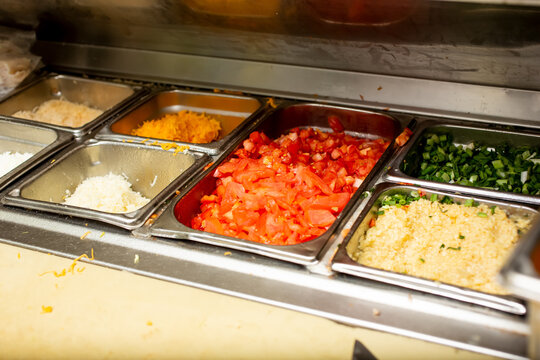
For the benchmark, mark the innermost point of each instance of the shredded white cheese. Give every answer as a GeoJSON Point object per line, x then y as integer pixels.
{"type": "Point", "coordinates": [60, 112]}
{"type": "Point", "coordinates": [9, 161]}
{"type": "Point", "coordinates": [110, 193]}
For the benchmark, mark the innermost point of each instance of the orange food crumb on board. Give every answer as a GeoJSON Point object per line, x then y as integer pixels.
{"type": "Point", "coordinates": [227, 253]}
{"type": "Point", "coordinates": [83, 236]}
{"type": "Point", "coordinates": [379, 88]}
{"type": "Point", "coordinates": [18, 255]}
{"type": "Point", "coordinates": [46, 309]}
{"type": "Point", "coordinates": [71, 268]}
{"type": "Point", "coordinates": [185, 126]}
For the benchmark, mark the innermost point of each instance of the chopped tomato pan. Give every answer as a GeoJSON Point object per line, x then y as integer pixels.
{"type": "Point", "coordinates": [285, 143]}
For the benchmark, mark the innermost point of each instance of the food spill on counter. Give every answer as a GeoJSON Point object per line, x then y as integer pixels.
{"type": "Point", "coordinates": [289, 190]}
{"type": "Point", "coordinates": [46, 309]}
{"type": "Point", "coordinates": [61, 112]}
{"type": "Point", "coordinates": [506, 168]}
{"type": "Point", "coordinates": [73, 267]}
{"type": "Point", "coordinates": [10, 160]}
{"type": "Point", "coordinates": [186, 126]}
{"type": "Point", "coordinates": [109, 193]}
{"type": "Point", "coordinates": [437, 239]}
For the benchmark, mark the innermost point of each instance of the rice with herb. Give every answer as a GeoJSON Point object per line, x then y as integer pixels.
{"type": "Point", "coordinates": [450, 243]}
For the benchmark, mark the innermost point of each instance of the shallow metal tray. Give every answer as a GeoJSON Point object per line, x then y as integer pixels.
{"type": "Point", "coordinates": [356, 122]}
{"type": "Point", "coordinates": [24, 138]}
{"type": "Point", "coordinates": [344, 264]}
{"type": "Point", "coordinates": [153, 172]}
{"type": "Point", "coordinates": [463, 134]}
{"type": "Point", "coordinates": [107, 96]}
{"type": "Point", "coordinates": [233, 112]}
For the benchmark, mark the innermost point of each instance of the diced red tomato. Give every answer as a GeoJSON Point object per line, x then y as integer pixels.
{"type": "Point", "coordinates": [404, 137]}
{"type": "Point", "coordinates": [289, 190]}
{"type": "Point", "coordinates": [335, 123]}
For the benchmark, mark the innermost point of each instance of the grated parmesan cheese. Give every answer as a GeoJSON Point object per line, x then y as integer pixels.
{"type": "Point", "coordinates": [110, 193]}
{"type": "Point", "coordinates": [60, 112]}
{"type": "Point", "coordinates": [9, 161]}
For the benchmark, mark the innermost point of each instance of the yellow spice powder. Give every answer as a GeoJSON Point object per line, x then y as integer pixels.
{"type": "Point", "coordinates": [186, 126]}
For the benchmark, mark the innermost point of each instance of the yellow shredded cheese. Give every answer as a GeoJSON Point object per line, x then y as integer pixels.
{"type": "Point", "coordinates": [187, 126]}
{"type": "Point", "coordinates": [227, 253]}
{"type": "Point", "coordinates": [83, 236]}
{"type": "Point", "coordinates": [71, 268]}
{"type": "Point", "coordinates": [271, 103]}
{"type": "Point", "coordinates": [46, 309]}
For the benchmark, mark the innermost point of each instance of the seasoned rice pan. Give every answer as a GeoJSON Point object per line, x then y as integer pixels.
{"type": "Point", "coordinates": [153, 172]}
{"type": "Point", "coordinates": [233, 113]}
{"type": "Point", "coordinates": [343, 263]}
{"type": "Point", "coordinates": [25, 138]}
{"type": "Point", "coordinates": [102, 95]}
{"type": "Point", "coordinates": [406, 163]}
{"type": "Point", "coordinates": [361, 123]}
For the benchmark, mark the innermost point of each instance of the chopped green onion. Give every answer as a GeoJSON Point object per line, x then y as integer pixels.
{"type": "Point", "coordinates": [482, 214]}
{"type": "Point", "coordinates": [461, 236]}
{"type": "Point", "coordinates": [493, 210]}
{"type": "Point", "coordinates": [453, 248]}
{"type": "Point", "coordinates": [497, 164]}
{"type": "Point", "coordinates": [469, 202]}
{"type": "Point", "coordinates": [380, 212]}
{"type": "Point", "coordinates": [433, 197]}
{"type": "Point", "coordinates": [442, 246]}
{"type": "Point", "coordinates": [422, 260]}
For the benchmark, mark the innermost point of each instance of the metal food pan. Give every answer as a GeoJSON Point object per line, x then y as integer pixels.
{"type": "Point", "coordinates": [343, 263]}
{"type": "Point", "coordinates": [357, 122]}
{"type": "Point", "coordinates": [233, 112]}
{"type": "Point", "coordinates": [106, 96]}
{"type": "Point", "coordinates": [24, 138]}
{"type": "Point", "coordinates": [153, 172]}
{"type": "Point", "coordinates": [521, 275]}
{"type": "Point", "coordinates": [463, 134]}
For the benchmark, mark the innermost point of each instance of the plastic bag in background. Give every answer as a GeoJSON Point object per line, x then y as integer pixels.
{"type": "Point", "coordinates": [16, 61]}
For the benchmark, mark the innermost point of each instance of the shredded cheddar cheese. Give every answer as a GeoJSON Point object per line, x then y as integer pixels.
{"type": "Point", "coordinates": [83, 236]}
{"type": "Point", "coordinates": [271, 103]}
{"type": "Point", "coordinates": [227, 253]}
{"type": "Point", "coordinates": [46, 309]}
{"type": "Point", "coordinates": [71, 268]}
{"type": "Point", "coordinates": [184, 126]}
